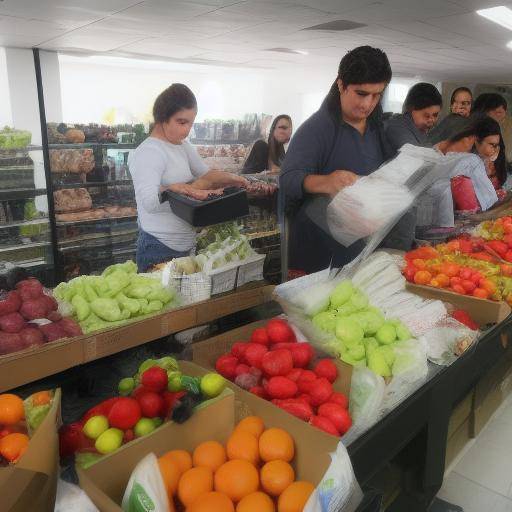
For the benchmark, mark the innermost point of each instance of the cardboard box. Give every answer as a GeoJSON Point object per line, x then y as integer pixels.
{"type": "Point", "coordinates": [33, 364]}
{"type": "Point", "coordinates": [482, 311]}
{"type": "Point", "coordinates": [457, 442]}
{"type": "Point", "coordinates": [31, 484]}
{"type": "Point", "coordinates": [106, 480]}
{"type": "Point", "coordinates": [205, 354]}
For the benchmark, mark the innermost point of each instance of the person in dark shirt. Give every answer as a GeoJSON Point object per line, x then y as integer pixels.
{"type": "Point", "coordinates": [456, 121]}
{"type": "Point", "coordinates": [269, 155]}
{"type": "Point", "coordinates": [420, 112]}
{"type": "Point", "coordinates": [343, 140]}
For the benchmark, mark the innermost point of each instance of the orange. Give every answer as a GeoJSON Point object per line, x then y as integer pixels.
{"type": "Point", "coordinates": [181, 458]}
{"type": "Point", "coordinates": [276, 444]}
{"type": "Point", "coordinates": [170, 501]}
{"type": "Point", "coordinates": [252, 424]}
{"type": "Point", "coordinates": [13, 446]}
{"type": "Point", "coordinates": [212, 502]}
{"type": "Point", "coordinates": [256, 502]}
{"type": "Point", "coordinates": [11, 409]}
{"type": "Point", "coordinates": [237, 479]}
{"type": "Point", "coordinates": [443, 280]}
{"type": "Point", "coordinates": [41, 398]}
{"type": "Point", "coordinates": [171, 474]}
{"type": "Point", "coordinates": [276, 476]}
{"type": "Point", "coordinates": [243, 445]}
{"type": "Point", "coordinates": [422, 277]}
{"type": "Point", "coordinates": [419, 264]}
{"type": "Point", "coordinates": [210, 454]}
{"type": "Point", "coordinates": [295, 497]}
{"type": "Point", "coordinates": [193, 483]}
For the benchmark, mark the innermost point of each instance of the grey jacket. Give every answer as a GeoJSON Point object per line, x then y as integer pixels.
{"type": "Point", "coordinates": [400, 129]}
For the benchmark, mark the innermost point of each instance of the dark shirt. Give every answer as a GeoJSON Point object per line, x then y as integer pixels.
{"type": "Point", "coordinates": [400, 129]}
{"type": "Point", "coordinates": [257, 161]}
{"type": "Point", "coordinates": [320, 146]}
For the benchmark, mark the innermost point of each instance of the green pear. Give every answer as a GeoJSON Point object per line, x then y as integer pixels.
{"type": "Point", "coordinates": [389, 354]}
{"type": "Point", "coordinates": [359, 300]}
{"type": "Point", "coordinates": [212, 385]}
{"type": "Point", "coordinates": [174, 381]}
{"type": "Point", "coordinates": [341, 294]}
{"type": "Point", "coordinates": [325, 321]}
{"type": "Point", "coordinates": [370, 344]}
{"type": "Point", "coordinates": [357, 352]}
{"type": "Point", "coordinates": [143, 427]}
{"type": "Point", "coordinates": [386, 334]}
{"type": "Point", "coordinates": [374, 321]}
{"type": "Point", "coordinates": [95, 426]}
{"type": "Point", "coordinates": [377, 364]}
{"type": "Point", "coordinates": [109, 441]}
{"type": "Point", "coordinates": [126, 386]}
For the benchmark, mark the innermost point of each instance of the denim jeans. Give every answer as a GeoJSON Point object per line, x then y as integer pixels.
{"type": "Point", "coordinates": [150, 251]}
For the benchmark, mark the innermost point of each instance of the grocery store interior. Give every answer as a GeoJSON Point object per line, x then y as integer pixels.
{"type": "Point", "coordinates": [256, 256]}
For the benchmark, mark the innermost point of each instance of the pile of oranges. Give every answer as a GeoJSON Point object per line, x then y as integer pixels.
{"type": "Point", "coordinates": [12, 442]}
{"type": "Point", "coordinates": [252, 473]}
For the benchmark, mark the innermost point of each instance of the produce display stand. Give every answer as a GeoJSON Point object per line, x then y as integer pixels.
{"type": "Point", "coordinates": [30, 365]}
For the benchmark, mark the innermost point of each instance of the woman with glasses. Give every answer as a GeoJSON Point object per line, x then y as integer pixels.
{"type": "Point", "coordinates": [460, 109]}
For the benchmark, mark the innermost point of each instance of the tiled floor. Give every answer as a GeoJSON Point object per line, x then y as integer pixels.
{"type": "Point", "coordinates": [481, 480]}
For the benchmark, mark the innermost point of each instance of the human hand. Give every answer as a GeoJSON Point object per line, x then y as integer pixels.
{"type": "Point", "coordinates": [339, 180]}
{"type": "Point", "coordinates": [188, 190]}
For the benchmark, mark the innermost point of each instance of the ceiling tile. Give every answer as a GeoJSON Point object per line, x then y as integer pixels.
{"type": "Point", "coordinates": [162, 48]}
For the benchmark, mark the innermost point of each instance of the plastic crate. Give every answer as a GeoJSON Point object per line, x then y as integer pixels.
{"type": "Point", "coordinates": [251, 270]}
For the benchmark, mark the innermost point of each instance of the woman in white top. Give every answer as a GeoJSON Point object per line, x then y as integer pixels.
{"type": "Point", "coordinates": [165, 160]}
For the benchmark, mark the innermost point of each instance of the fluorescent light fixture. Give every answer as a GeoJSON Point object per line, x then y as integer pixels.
{"type": "Point", "coordinates": [501, 15]}
{"type": "Point", "coordinates": [288, 50]}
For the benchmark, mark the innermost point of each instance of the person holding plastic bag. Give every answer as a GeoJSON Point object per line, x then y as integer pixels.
{"type": "Point", "coordinates": [343, 140]}
{"type": "Point", "coordinates": [420, 112]}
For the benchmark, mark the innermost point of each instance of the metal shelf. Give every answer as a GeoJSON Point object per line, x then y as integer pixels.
{"type": "Point", "coordinates": [33, 222]}
{"type": "Point", "coordinates": [86, 145]}
{"type": "Point", "coordinates": [95, 236]}
{"type": "Point", "coordinates": [90, 184]}
{"type": "Point", "coordinates": [72, 223]}
{"type": "Point", "coordinates": [20, 247]}
{"type": "Point", "coordinates": [21, 193]}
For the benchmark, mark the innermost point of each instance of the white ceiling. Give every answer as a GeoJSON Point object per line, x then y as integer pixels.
{"type": "Point", "coordinates": [444, 39]}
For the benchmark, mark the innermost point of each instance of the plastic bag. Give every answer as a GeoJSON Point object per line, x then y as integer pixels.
{"type": "Point", "coordinates": [448, 340]}
{"type": "Point", "coordinates": [71, 497]}
{"type": "Point", "coordinates": [146, 491]}
{"type": "Point", "coordinates": [338, 490]}
{"type": "Point", "coordinates": [367, 391]}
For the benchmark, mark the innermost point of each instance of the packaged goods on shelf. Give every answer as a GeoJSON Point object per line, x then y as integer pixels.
{"type": "Point", "coordinates": [72, 200]}
{"type": "Point", "coordinates": [72, 160]}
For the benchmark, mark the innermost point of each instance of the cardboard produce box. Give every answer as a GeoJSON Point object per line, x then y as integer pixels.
{"type": "Point", "coordinates": [105, 481]}
{"type": "Point", "coordinates": [31, 484]}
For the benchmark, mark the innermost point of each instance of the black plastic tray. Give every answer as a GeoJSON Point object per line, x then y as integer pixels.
{"type": "Point", "coordinates": [231, 205]}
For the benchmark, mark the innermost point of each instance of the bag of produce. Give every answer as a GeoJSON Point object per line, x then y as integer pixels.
{"type": "Point", "coordinates": [146, 490]}
{"type": "Point", "coordinates": [338, 491]}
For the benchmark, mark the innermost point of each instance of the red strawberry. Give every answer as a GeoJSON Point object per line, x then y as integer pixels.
{"type": "Point", "coordinates": [154, 379]}
{"type": "Point", "coordinates": [254, 354]}
{"type": "Point", "coordinates": [281, 387]}
{"type": "Point", "coordinates": [340, 399]}
{"type": "Point", "coordinates": [124, 413]}
{"type": "Point", "coordinates": [298, 408]}
{"type": "Point", "coordinates": [241, 368]}
{"type": "Point", "coordinates": [306, 381]}
{"type": "Point", "coordinates": [279, 331]}
{"type": "Point", "coordinates": [321, 391]}
{"type": "Point", "coordinates": [326, 368]}
{"type": "Point", "coordinates": [238, 350]}
{"type": "Point", "coordinates": [226, 366]}
{"type": "Point", "coordinates": [259, 391]}
{"type": "Point", "coordinates": [151, 404]}
{"type": "Point", "coordinates": [339, 416]}
{"type": "Point", "coordinates": [260, 336]}
{"type": "Point", "coordinates": [294, 374]}
{"type": "Point", "coordinates": [324, 424]}
{"type": "Point", "coordinates": [277, 362]}
{"type": "Point", "coordinates": [302, 353]}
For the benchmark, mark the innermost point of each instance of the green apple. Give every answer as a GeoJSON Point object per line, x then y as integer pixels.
{"type": "Point", "coordinates": [359, 300]}
{"type": "Point", "coordinates": [168, 363]}
{"type": "Point", "coordinates": [349, 331]}
{"type": "Point", "coordinates": [174, 381]}
{"type": "Point", "coordinates": [341, 294]}
{"type": "Point", "coordinates": [157, 421]}
{"type": "Point", "coordinates": [95, 426]}
{"type": "Point", "coordinates": [143, 427]}
{"type": "Point", "coordinates": [212, 385]}
{"type": "Point", "coordinates": [148, 363]}
{"type": "Point", "coordinates": [109, 441]}
{"type": "Point", "coordinates": [377, 364]}
{"type": "Point", "coordinates": [386, 334]}
{"type": "Point", "coordinates": [326, 321]}
{"type": "Point", "coordinates": [126, 386]}
{"type": "Point", "coordinates": [374, 321]}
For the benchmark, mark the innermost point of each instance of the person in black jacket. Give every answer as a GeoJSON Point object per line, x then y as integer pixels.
{"type": "Point", "coordinates": [270, 155]}
{"type": "Point", "coordinates": [344, 140]}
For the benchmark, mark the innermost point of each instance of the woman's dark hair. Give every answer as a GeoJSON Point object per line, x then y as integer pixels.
{"type": "Point", "coordinates": [173, 99]}
{"type": "Point", "coordinates": [422, 96]}
{"type": "Point", "coordinates": [489, 101]}
{"type": "Point", "coordinates": [362, 65]}
{"type": "Point", "coordinates": [276, 149]}
{"type": "Point", "coordinates": [460, 89]}
{"type": "Point", "coordinates": [482, 126]}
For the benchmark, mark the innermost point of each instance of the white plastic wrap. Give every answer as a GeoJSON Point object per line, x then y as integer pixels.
{"type": "Point", "coordinates": [71, 497]}
{"type": "Point", "coordinates": [338, 490]}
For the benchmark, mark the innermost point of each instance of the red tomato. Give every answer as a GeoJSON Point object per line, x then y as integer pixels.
{"type": "Point", "coordinates": [465, 273]}
{"type": "Point", "coordinates": [422, 277]}
{"type": "Point", "coordinates": [468, 285]}
{"type": "Point", "coordinates": [453, 245]}
{"type": "Point", "coordinates": [455, 281]}
{"type": "Point", "coordinates": [409, 273]}
{"type": "Point", "coordinates": [443, 280]}
{"type": "Point", "coordinates": [506, 270]}
{"type": "Point", "coordinates": [419, 264]}
{"type": "Point", "coordinates": [507, 228]}
{"type": "Point", "coordinates": [488, 285]}
{"type": "Point", "coordinates": [481, 293]}
{"type": "Point", "coordinates": [457, 288]}
{"type": "Point", "coordinates": [508, 256]}
{"type": "Point", "coordinates": [451, 269]}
